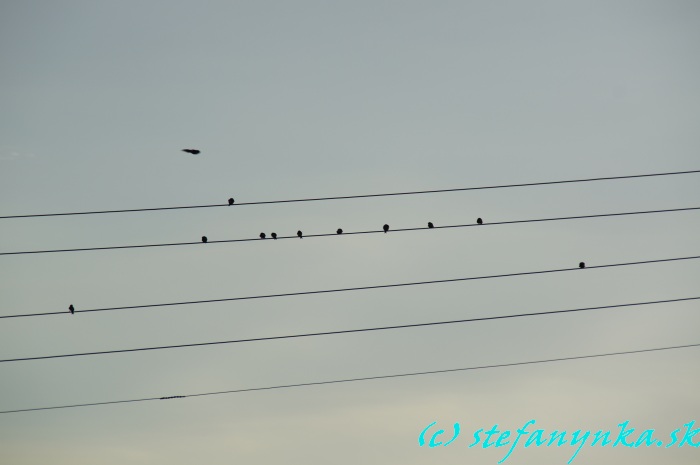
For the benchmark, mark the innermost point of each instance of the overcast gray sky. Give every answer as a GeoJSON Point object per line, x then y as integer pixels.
{"type": "Point", "coordinates": [308, 99]}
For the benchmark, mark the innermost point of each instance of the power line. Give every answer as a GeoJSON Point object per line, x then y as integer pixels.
{"type": "Point", "coordinates": [563, 218]}
{"type": "Point", "coordinates": [361, 288]}
{"type": "Point", "coordinates": [347, 331]}
{"type": "Point", "coordinates": [344, 197]}
{"type": "Point", "coordinates": [349, 380]}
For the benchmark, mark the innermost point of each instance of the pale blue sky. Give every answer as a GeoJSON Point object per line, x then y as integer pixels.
{"type": "Point", "coordinates": [308, 99]}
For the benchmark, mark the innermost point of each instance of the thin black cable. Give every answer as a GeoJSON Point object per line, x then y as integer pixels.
{"type": "Point", "coordinates": [349, 380]}
{"type": "Point", "coordinates": [361, 288]}
{"type": "Point", "coordinates": [348, 331]}
{"type": "Point", "coordinates": [435, 191]}
{"type": "Point", "coordinates": [562, 218]}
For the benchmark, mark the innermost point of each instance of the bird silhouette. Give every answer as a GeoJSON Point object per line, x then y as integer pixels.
{"type": "Point", "coordinates": [386, 228]}
{"type": "Point", "coordinates": [479, 221]}
{"type": "Point", "coordinates": [582, 265]}
{"type": "Point", "coordinates": [300, 234]}
{"type": "Point", "coordinates": [71, 308]}
{"type": "Point", "coordinates": [274, 236]}
{"type": "Point", "coordinates": [204, 239]}
{"type": "Point", "coordinates": [192, 151]}
{"type": "Point", "coordinates": [430, 225]}
{"type": "Point", "coordinates": [339, 231]}
{"type": "Point", "coordinates": [230, 201]}
{"type": "Point", "coordinates": [262, 235]}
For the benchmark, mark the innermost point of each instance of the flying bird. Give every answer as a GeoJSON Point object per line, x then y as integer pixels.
{"type": "Point", "coordinates": [71, 308]}
{"type": "Point", "coordinates": [274, 236]}
{"type": "Point", "coordinates": [230, 201]}
{"type": "Point", "coordinates": [582, 265]}
{"type": "Point", "coordinates": [300, 234]}
{"type": "Point", "coordinates": [479, 221]}
{"type": "Point", "coordinates": [430, 225]}
{"type": "Point", "coordinates": [204, 239]}
{"type": "Point", "coordinates": [192, 151]}
{"type": "Point", "coordinates": [339, 231]}
{"type": "Point", "coordinates": [262, 235]}
{"type": "Point", "coordinates": [386, 228]}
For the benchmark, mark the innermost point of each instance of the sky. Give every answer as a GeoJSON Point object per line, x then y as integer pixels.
{"type": "Point", "coordinates": [291, 100]}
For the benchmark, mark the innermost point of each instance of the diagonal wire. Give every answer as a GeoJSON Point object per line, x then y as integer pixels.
{"type": "Point", "coordinates": [536, 220]}
{"type": "Point", "coordinates": [349, 380]}
{"type": "Point", "coordinates": [344, 197]}
{"type": "Point", "coordinates": [348, 331]}
{"type": "Point", "coordinates": [348, 289]}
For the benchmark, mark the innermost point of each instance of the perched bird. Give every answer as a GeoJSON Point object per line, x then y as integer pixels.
{"type": "Point", "coordinates": [230, 201]}
{"type": "Point", "coordinates": [262, 235]}
{"type": "Point", "coordinates": [192, 151]}
{"type": "Point", "coordinates": [479, 221]}
{"type": "Point", "coordinates": [300, 234]}
{"type": "Point", "coordinates": [582, 265]}
{"type": "Point", "coordinates": [274, 236]}
{"type": "Point", "coordinates": [204, 239]}
{"type": "Point", "coordinates": [71, 308]}
{"type": "Point", "coordinates": [386, 228]}
{"type": "Point", "coordinates": [339, 231]}
{"type": "Point", "coordinates": [430, 225]}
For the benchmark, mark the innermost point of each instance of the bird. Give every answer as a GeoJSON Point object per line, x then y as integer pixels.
{"type": "Point", "coordinates": [274, 236]}
{"type": "Point", "coordinates": [192, 151]}
{"type": "Point", "coordinates": [71, 308]}
{"type": "Point", "coordinates": [430, 225]}
{"type": "Point", "coordinates": [479, 221]}
{"type": "Point", "coordinates": [230, 201]}
{"type": "Point", "coordinates": [204, 239]}
{"type": "Point", "coordinates": [386, 228]}
{"type": "Point", "coordinates": [339, 231]}
{"type": "Point", "coordinates": [582, 265]}
{"type": "Point", "coordinates": [262, 235]}
{"type": "Point", "coordinates": [300, 234]}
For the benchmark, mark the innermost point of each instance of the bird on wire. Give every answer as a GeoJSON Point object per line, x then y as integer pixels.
{"type": "Point", "coordinates": [192, 151]}
{"type": "Point", "coordinates": [274, 236]}
{"type": "Point", "coordinates": [386, 228]}
{"type": "Point", "coordinates": [479, 221]}
{"type": "Point", "coordinates": [339, 231]}
{"type": "Point", "coordinates": [204, 239]}
{"type": "Point", "coordinates": [300, 234]}
{"type": "Point", "coordinates": [582, 265]}
{"type": "Point", "coordinates": [262, 235]}
{"type": "Point", "coordinates": [430, 225]}
{"type": "Point", "coordinates": [230, 201]}
{"type": "Point", "coordinates": [72, 309]}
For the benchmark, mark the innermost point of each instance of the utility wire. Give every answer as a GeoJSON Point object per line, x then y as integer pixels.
{"type": "Point", "coordinates": [602, 215]}
{"type": "Point", "coordinates": [348, 331]}
{"type": "Point", "coordinates": [436, 191]}
{"type": "Point", "coordinates": [348, 380]}
{"type": "Point", "coordinates": [328, 291]}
